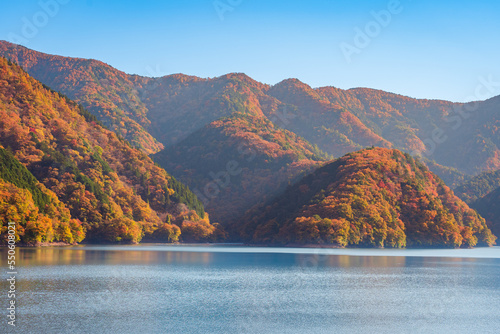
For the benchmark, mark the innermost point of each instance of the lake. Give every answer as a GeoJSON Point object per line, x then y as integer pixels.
{"type": "Point", "coordinates": [235, 289]}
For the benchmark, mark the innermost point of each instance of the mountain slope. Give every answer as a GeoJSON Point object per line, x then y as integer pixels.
{"type": "Point", "coordinates": [236, 162]}
{"type": "Point", "coordinates": [106, 92]}
{"type": "Point", "coordinates": [152, 112]}
{"type": "Point", "coordinates": [489, 207]}
{"type": "Point", "coordinates": [114, 190]}
{"type": "Point", "coordinates": [478, 186]}
{"type": "Point", "coordinates": [37, 213]}
{"type": "Point", "coordinates": [180, 105]}
{"type": "Point", "coordinates": [335, 130]}
{"type": "Point", "coordinates": [171, 112]}
{"type": "Point", "coordinates": [461, 136]}
{"type": "Point", "coordinates": [374, 197]}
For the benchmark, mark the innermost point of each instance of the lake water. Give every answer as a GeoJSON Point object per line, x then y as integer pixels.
{"type": "Point", "coordinates": [222, 289]}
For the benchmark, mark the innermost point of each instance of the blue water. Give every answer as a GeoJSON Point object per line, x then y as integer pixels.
{"type": "Point", "coordinates": [200, 289]}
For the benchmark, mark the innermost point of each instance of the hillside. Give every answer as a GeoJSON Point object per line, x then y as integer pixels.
{"type": "Point", "coordinates": [334, 129]}
{"type": "Point", "coordinates": [478, 186]}
{"type": "Point", "coordinates": [237, 162]}
{"type": "Point", "coordinates": [156, 112]}
{"type": "Point", "coordinates": [489, 207]}
{"type": "Point", "coordinates": [107, 93]}
{"type": "Point", "coordinates": [113, 190]}
{"type": "Point", "coordinates": [142, 109]}
{"type": "Point", "coordinates": [37, 212]}
{"type": "Point", "coordinates": [461, 136]}
{"type": "Point", "coordinates": [374, 197]}
{"type": "Point", "coordinates": [180, 105]}
{"type": "Point", "coordinates": [173, 113]}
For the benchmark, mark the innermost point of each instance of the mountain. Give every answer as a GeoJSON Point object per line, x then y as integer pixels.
{"type": "Point", "coordinates": [489, 207]}
{"type": "Point", "coordinates": [462, 136]}
{"type": "Point", "coordinates": [152, 112]}
{"type": "Point", "coordinates": [179, 105]}
{"type": "Point", "coordinates": [236, 162]}
{"type": "Point", "coordinates": [109, 94]}
{"type": "Point", "coordinates": [478, 186]}
{"type": "Point", "coordinates": [172, 116]}
{"type": "Point", "coordinates": [374, 197]}
{"type": "Point", "coordinates": [114, 191]}
{"type": "Point", "coordinates": [335, 130]}
{"type": "Point", "coordinates": [155, 112]}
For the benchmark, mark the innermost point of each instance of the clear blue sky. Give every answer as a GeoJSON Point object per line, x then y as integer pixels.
{"type": "Point", "coordinates": [430, 49]}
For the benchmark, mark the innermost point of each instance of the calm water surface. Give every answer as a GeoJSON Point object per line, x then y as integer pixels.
{"type": "Point", "coordinates": [221, 289]}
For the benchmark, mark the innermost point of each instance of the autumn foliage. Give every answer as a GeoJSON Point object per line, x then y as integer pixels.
{"type": "Point", "coordinates": [238, 161]}
{"type": "Point", "coordinates": [375, 198]}
{"type": "Point", "coordinates": [269, 136]}
{"type": "Point", "coordinates": [478, 186]}
{"type": "Point", "coordinates": [64, 174]}
{"type": "Point", "coordinates": [176, 111]}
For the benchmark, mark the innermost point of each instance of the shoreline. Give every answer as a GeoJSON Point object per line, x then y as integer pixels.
{"type": "Point", "coordinates": [241, 244]}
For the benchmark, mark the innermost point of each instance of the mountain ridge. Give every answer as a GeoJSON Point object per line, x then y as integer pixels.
{"type": "Point", "coordinates": [160, 114]}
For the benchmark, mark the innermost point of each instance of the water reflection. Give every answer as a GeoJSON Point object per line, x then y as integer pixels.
{"type": "Point", "coordinates": [50, 256]}
{"type": "Point", "coordinates": [158, 289]}
{"type": "Point", "coordinates": [147, 255]}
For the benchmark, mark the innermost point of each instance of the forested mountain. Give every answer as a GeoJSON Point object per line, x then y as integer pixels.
{"type": "Point", "coordinates": [107, 93]}
{"type": "Point", "coordinates": [478, 186]}
{"type": "Point", "coordinates": [179, 105]}
{"type": "Point", "coordinates": [374, 197]}
{"type": "Point", "coordinates": [79, 174]}
{"type": "Point", "coordinates": [168, 109]}
{"type": "Point", "coordinates": [462, 136]}
{"type": "Point", "coordinates": [489, 207]}
{"type": "Point", "coordinates": [181, 118]}
{"type": "Point", "coordinates": [37, 212]}
{"type": "Point", "coordinates": [239, 161]}
{"type": "Point", "coordinates": [334, 129]}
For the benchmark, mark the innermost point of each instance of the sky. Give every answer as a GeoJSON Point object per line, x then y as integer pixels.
{"type": "Point", "coordinates": [420, 48]}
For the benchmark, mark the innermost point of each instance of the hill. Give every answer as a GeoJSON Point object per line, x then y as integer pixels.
{"type": "Point", "coordinates": [38, 214]}
{"type": "Point", "coordinates": [113, 190]}
{"type": "Point", "coordinates": [478, 186]}
{"type": "Point", "coordinates": [236, 162]}
{"type": "Point", "coordinates": [455, 140]}
{"type": "Point", "coordinates": [374, 197]}
{"type": "Point", "coordinates": [489, 207]}
{"type": "Point", "coordinates": [334, 129]}
{"type": "Point", "coordinates": [155, 112]}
